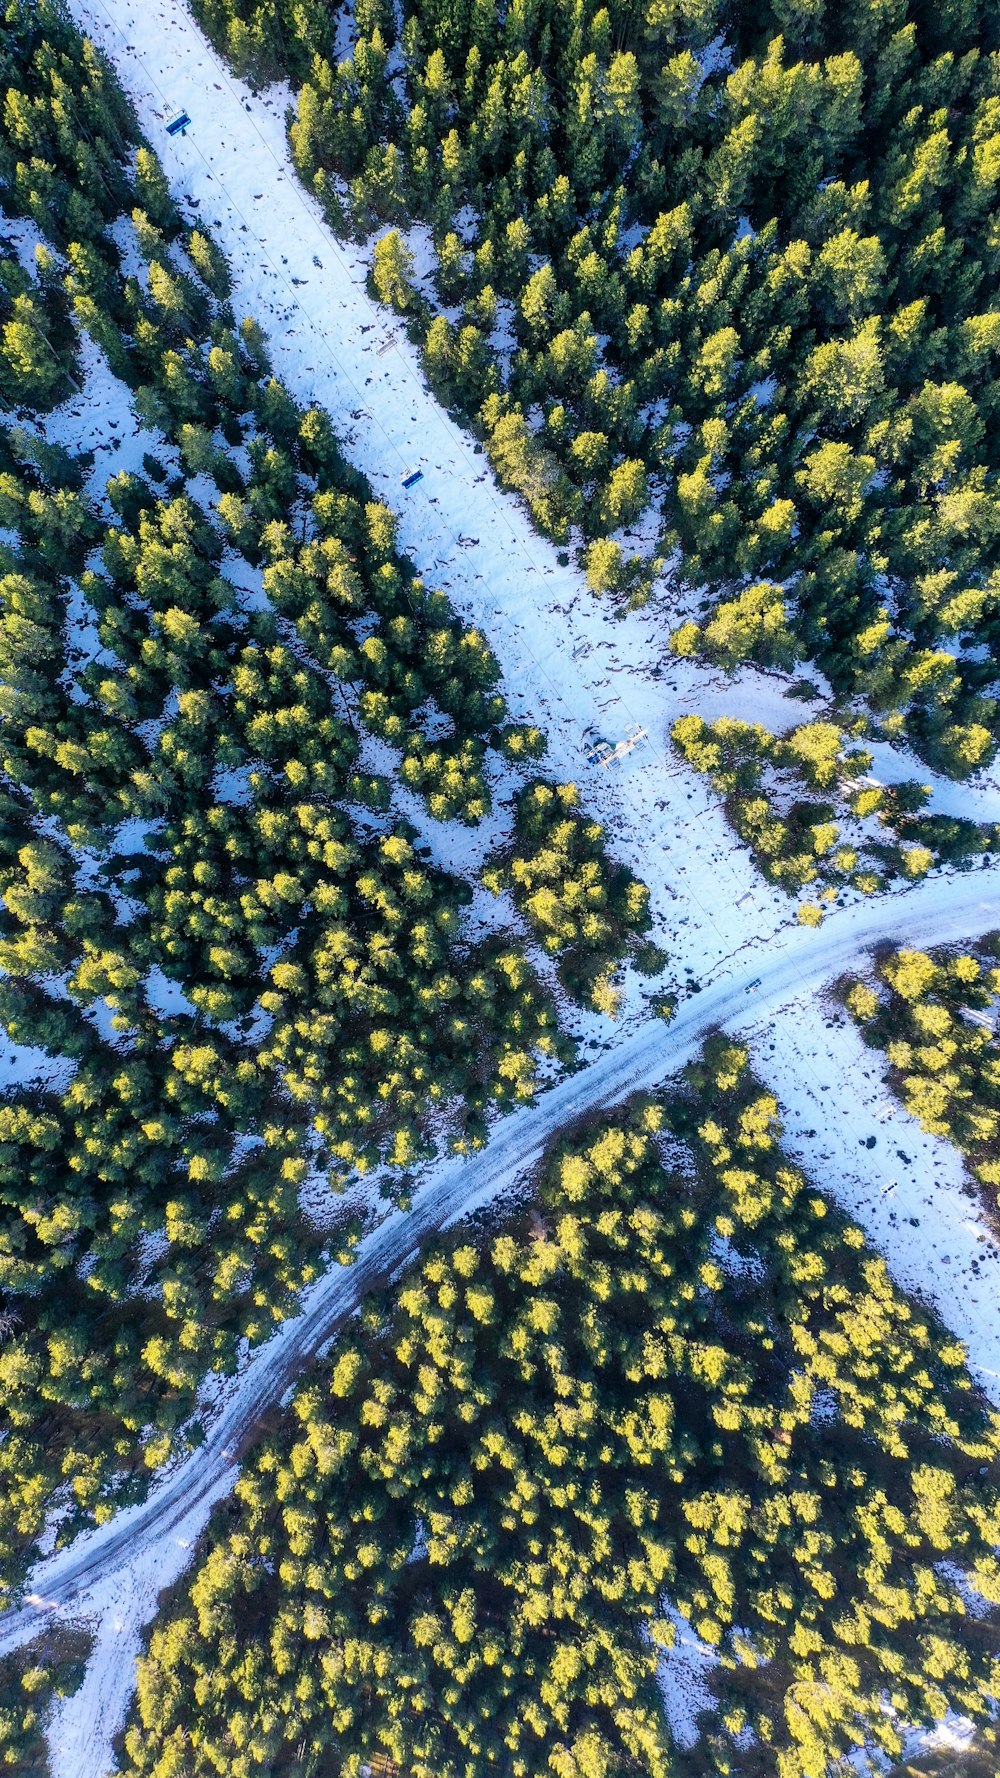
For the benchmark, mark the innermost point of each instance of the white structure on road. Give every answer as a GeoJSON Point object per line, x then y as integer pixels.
{"type": "Point", "coordinates": [599, 752]}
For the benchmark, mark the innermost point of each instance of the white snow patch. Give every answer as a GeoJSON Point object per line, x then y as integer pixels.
{"type": "Point", "coordinates": [167, 997]}
{"type": "Point", "coordinates": [908, 1191]}
{"type": "Point", "coordinates": [682, 1676]}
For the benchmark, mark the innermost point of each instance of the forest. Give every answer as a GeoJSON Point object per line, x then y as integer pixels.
{"type": "Point", "coordinates": [31, 1683]}
{"type": "Point", "coordinates": [812, 815]}
{"type": "Point", "coordinates": [716, 284]}
{"type": "Point", "coordinates": [290, 904]}
{"type": "Point", "coordinates": [676, 1386]}
{"type": "Point", "coordinates": [935, 1018]}
{"type": "Point", "coordinates": [236, 731]}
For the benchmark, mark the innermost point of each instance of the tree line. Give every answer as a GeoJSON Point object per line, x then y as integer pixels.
{"type": "Point", "coordinates": [726, 273]}
{"type": "Point", "coordinates": [656, 1387]}
{"type": "Point", "coordinates": [31, 1683]}
{"type": "Point", "coordinates": [934, 1016]}
{"type": "Point", "coordinates": [229, 963]}
{"type": "Point", "coordinates": [811, 814]}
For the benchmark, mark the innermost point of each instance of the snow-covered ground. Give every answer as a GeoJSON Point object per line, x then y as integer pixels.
{"type": "Point", "coordinates": [82, 1726]}
{"type": "Point", "coordinates": [569, 663]}
{"type": "Point", "coordinates": [682, 1674]}
{"type": "Point", "coordinates": [118, 1568]}
{"type": "Point", "coordinates": [571, 666]}
{"type": "Point", "coordinates": [908, 1191]}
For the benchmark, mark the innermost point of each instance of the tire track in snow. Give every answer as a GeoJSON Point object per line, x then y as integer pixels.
{"type": "Point", "coordinates": [148, 1537]}
{"type": "Point", "coordinates": [665, 823]}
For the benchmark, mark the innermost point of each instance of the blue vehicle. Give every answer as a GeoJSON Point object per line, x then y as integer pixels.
{"type": "Point", "coordinates": [178, 125]}
{"type": "Point", "coordinates": [411, 477]}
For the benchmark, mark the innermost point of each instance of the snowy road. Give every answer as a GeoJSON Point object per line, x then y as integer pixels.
{"type": "Point", "coordinates": [568, 666]}
{"type": "Point", "coordinates": [939, 910]}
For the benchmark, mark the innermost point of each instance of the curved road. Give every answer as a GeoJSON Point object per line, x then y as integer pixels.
{"type": "Point", "coordinates": [940, 910]}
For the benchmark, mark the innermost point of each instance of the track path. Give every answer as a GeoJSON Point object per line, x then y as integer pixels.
{"type": "Point", "coordinates": [565, 666]}
{"type": "Point", "coordinates": [567, 663]}
{"type": "Point", "coordinates": [939, 910]}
